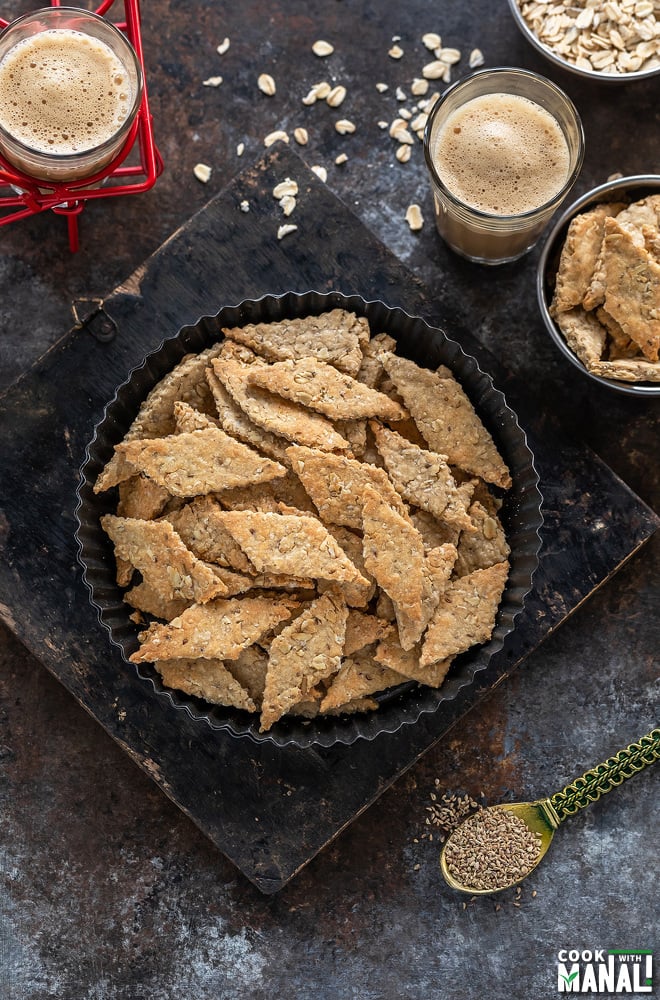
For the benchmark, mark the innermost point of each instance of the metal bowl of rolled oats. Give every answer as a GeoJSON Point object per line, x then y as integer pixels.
{"type": "Point", "coordinates": [598, 284]}
{"type": "Point", "coordinates": [614, 41]}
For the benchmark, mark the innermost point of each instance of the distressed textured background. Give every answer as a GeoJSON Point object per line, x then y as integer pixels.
{"type": "Point", "coordinates": [107, 891]}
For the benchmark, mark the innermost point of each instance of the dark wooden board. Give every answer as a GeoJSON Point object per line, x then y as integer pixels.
{"type": "Point", "coordinates": [270, 810]}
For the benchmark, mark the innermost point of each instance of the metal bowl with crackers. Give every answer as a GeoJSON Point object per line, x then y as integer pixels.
{"type": "Point", "coordinates": [610, 46]}
{"type": "Point", "coordinates": [285, 624]}
{"type": "Point", "coordinates": [598, 284]}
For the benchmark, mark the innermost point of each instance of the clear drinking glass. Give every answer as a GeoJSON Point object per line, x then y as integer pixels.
{"type": "Point", "coordinates": [478, 235]}
{"type": "Point", "coordinates": [33, 159]}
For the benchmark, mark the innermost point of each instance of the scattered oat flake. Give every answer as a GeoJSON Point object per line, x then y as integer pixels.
{"type": "Point", "coordinates": [240, 149]}
{"type": "Point", "coordinates": [382, 124]}
{"type": "Point", "coordinates": [400, 94]}
{"type": "Point", "coordinates": [381, 88]}
{"type": "Point", "coordinates": [222, 48]}
{"type": "Point", "coordinates": [403, 154]}
{"type": "Point", "coordinates": [287, 204]}
{"type": "Point", "coordinates": [202, 172]}
{"type": "Point", "coordinates": [287, 186]}
{"type": "Point", "coordinates": [414, 217]}
{"type": "Point", "coordinates": [344, 126]}
{"type": "Point", "coordinates": [320, 172]}
{"type": "Point", "coordinates": [342, 158]}
{"type": "Point", "coordinates": [476, 58]}
{"type": "Point", "coordinates": [322, 48]}
{"type": "Point", "coordinates": [212, 81]}
{"type": "Point", "coordinates": [245, 206]}
{"type": "Point", "coordinates": [395, 52]}
{"type": "Point", "coordinates": [301, 136]}
{"type": "Point", "coordinates": [434, 70]}
{"type": "Point", "coordinates": [266, 84]}
{"type": "Point", "coordinates": [336, 96]}
{"type": "Point", "coordinates": [419, 87]}
{"type": "Point", "coordinates": [278, 136]}
{"type": "Point", "coordinates": [285, 230]}
{"type": "Point", "coordinates": [431, 40]}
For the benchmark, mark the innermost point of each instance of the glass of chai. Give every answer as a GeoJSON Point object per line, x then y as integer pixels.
{"type": "Point", "coordinates": [503, 148]}
{"type": "Point", "coordinates": [70, 88]}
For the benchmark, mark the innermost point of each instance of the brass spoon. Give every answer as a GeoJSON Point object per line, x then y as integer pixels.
{"type": "Point", "coordinates": [544, 816]}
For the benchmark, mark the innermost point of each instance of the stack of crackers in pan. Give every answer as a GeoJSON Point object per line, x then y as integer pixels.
{"type": "Point", "coordinates": [607, 292]}
{"type": "Point", "coordinates": [306, 519]}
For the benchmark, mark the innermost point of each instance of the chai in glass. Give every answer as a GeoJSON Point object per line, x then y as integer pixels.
{"type": "Point", "coordinates": [68, 94]}
{"type": "Point", "coordinates": [503, 148]}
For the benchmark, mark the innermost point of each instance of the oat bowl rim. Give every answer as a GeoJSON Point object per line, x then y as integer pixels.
{"type": "Point", "coordinates": [557, 60]}
{"type": "Point", "coordinates": [521, 514]}
{"type": "Point", "coordinates": [643, 184]}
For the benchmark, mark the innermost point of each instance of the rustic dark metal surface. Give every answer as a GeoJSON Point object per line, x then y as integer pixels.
{"type": "Point", "coordinates": [142, 905]}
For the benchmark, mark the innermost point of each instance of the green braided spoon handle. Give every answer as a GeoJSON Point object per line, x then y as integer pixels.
{"type": "Point", "coordinates": [604, 777]}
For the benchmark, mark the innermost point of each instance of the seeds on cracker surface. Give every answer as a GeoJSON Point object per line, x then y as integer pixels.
{"type": "Point", "coordinates": [476, 58]}
{"type": "Point", "coordinates": [491, 850]}
{"type": "Point", "coordinates": [322, 48]}
{"type": "Point", "coordinates": [344, 126]}
{"type": "Point", "coordinates": [336, 96]}
{"type": "Point", "coordinates": [202, 172]}
{"type": "Point", "coordinates": [395, 52]}
{"type": "Point", "coordinates": [266, 84]}
{"type": "Point", "coordinates": [212, 81]}
{"type": "Point", "coordinates": [320, 172]}
{"type": "Point", "coordinates": [403, 154]}
{"type": "Point", "coordinates": [301, 136]}
{"type": "Point", "coordinates": [279, 135]}
{"type": "Point", "coordinates": [222, 47]}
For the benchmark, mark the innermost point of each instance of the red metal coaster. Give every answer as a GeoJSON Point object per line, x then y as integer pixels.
{"type": "Point", "coordinates": [21, 195]}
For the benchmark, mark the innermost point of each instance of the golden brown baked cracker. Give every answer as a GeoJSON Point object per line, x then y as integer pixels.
{"type": "Point", "coordinates": [358, 677]}
{"type": "Point", "coordinates": [651, 236]}
{"type": "Point", "coordinates": [145, 598]}
{"type": "Point", "coordinates": [422, 477]}
{"type": "Point", "coordinates": [336, 484]}
{"type": "Point", "coordinates": [234, 421]}
{"type": "Point", "coordinates": [322, 388]}
{"type": "Point", "coordinates": [199, 462]}
{"type": "Point", "coordinates": [583, 333]}
{"type": "Point", "coordinates": [357, 594]}
{"type": "Point", "coordinates": [354, 706]}
{"type": "Point", "coordinates": [363, 629]}
{"type": "Point", "coordinates": [483, 547]}
{"type": "Point", "coordinates": [371, 369]}
{"type": "Point", "coordinates": [446, 418]}
{"type": "Point", "coordinates": [304, 653]}
{"type": "Point", "coordinates": [249, 669]}
{"type": "Point", "coordinates": [434, 531]}
{"type": "Point", "coordinates": [217, 630]}
{"type": "Point", "coordinates": [275, 414]}
{"type": "Point", "coordinates": [618, 344]}
{"type": "Point", "coordinates": [579, 255]}
{"type": "Point", "coordinates": [155, 417]}
{"type": "Point", "coordinates": [645, 212]}
{"type": "Point", "coordinates": [268, 496]}
{"type": "Point", "coordinates": [465, 615]}
{"type": "Point", "coordinates": [166, 565]}
{"type": "Point", "coordinates": [632, 289]}
{"type": "Point", "coordinates": [391, 654]}
{"type": "Point", "coordinates": [355, 432]}
{"type": "Point", "coordinates": [333, 336]}
{"type": "Point", "coordinates": [187, 418]}
{"type": "Point", "coordinates": [628, 370]}
{"type": "Point", "coordinates": [207, 679]}
{"type": "Point", "coordinates": [296, 545]}
{"type": "Point", "coordinates": [394, 555]}
{"type": "Point", "coordinates": [141, 497]}
{"type": "Point", "coordinates": [199, 525]}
